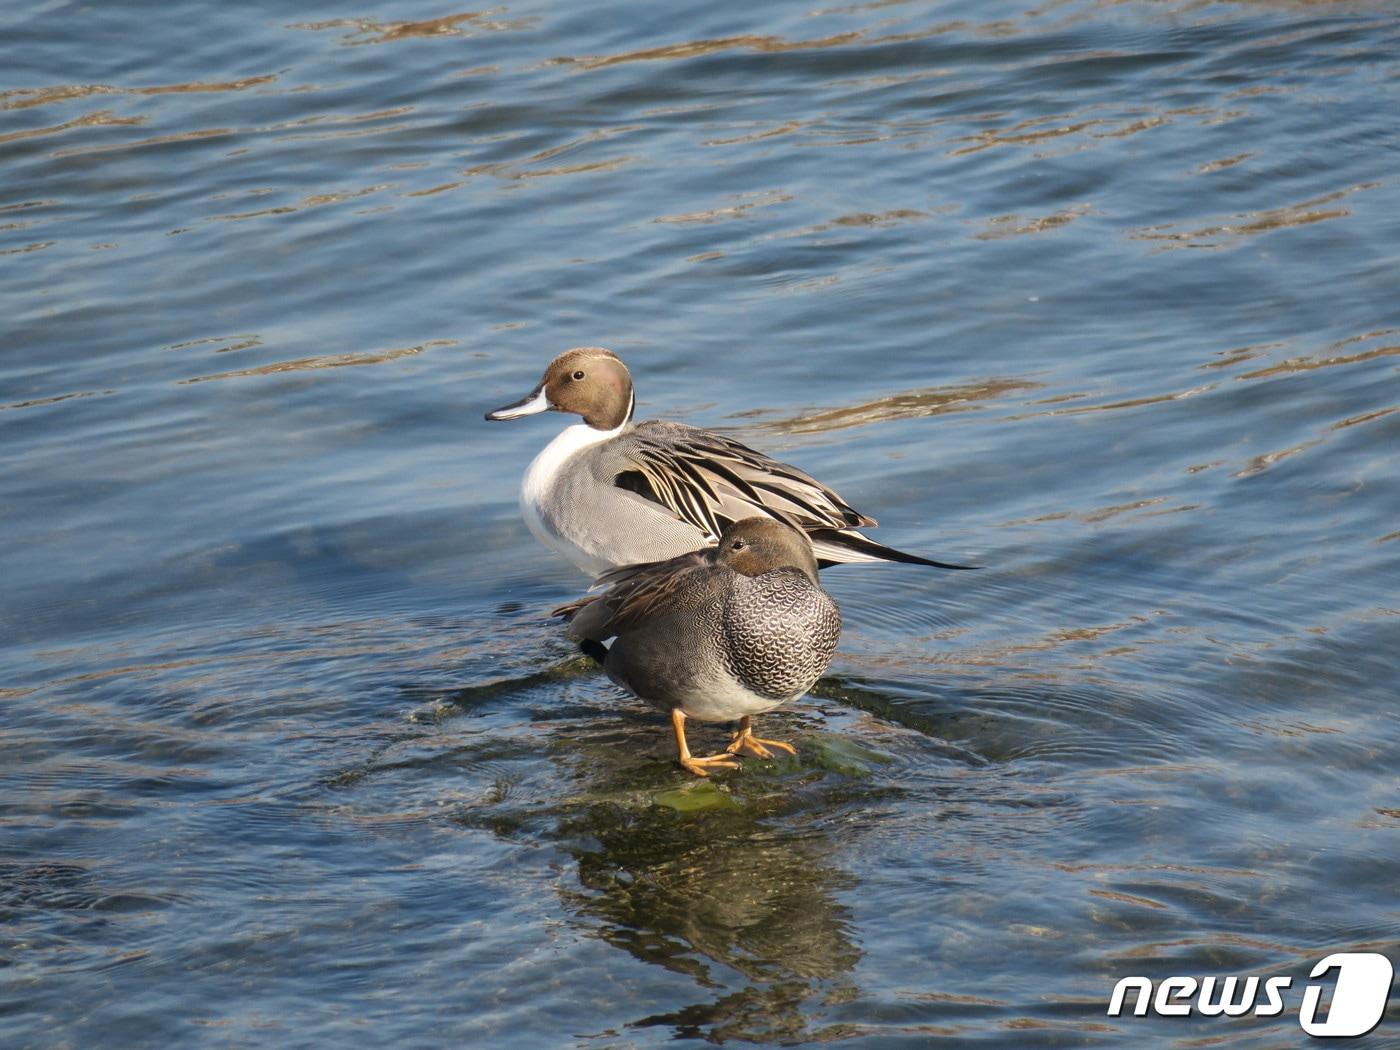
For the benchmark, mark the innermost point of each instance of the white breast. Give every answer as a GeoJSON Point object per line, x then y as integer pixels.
{"type": "Point", "coordinates": [540, 502]}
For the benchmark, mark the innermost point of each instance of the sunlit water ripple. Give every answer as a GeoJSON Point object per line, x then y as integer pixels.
{"type": "Point", "coordinates": [1099, 296]}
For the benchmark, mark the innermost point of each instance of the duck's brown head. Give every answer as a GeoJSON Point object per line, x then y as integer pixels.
{"type": "Point", "coordinates": [753, 546]}
{"type": "Point", "coordinates": [589, 381]}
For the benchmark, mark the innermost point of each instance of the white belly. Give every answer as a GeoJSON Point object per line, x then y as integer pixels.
{"type": "Point", "coordinates": [724, 700]}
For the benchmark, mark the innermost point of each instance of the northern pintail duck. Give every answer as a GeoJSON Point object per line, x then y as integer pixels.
{"type": "Point", "coordinates": [609, 492]}
{"type": "Point", "coordinates": [719, 634]}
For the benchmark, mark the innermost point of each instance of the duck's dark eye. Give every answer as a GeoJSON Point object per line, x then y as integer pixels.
{"type": "Point", "coordinates": [578, 375]}
{"type": "Point", "coordinates": [738, 545]}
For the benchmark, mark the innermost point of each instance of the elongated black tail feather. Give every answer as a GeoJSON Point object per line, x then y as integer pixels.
{"type": "Point", "coordinates": [831, 544]}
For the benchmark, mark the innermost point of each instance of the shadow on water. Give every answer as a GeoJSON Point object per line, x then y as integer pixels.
{"type": "Point", "coordinates": [740, 896]}
{"type": "Point", "coordinates": [747, 884]}
{"type": "Point", "coordinates": [737, 882]}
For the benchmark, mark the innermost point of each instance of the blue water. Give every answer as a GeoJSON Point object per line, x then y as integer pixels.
{"type": "Point", "coordinates": [1100, 296]}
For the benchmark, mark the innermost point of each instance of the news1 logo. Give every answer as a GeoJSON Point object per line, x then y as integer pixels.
{"type": "Point", "coordinates": [1358, 1001]}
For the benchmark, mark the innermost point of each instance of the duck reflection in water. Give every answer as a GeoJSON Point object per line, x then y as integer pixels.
{"type": "Point", "coordinates": [746, 908]}
{"type": "Point", "coordinates": [733, 887]}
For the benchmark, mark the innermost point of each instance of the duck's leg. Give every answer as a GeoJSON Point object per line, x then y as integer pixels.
{"type": "Point", "coordinates": [744, 740]}
{"type": "Point", "coordinates": [699, 766]}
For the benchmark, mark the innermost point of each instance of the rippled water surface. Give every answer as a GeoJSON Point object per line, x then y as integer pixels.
{"type": "Point", "coordinates": [1102, 296]}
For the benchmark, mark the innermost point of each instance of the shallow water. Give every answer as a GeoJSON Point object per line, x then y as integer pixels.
{"type": "Point", "coordinates": [1101, 296]}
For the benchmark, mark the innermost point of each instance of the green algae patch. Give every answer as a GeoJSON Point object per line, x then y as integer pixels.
{"type": "Point", "coordinates": [842, 755]}
{"type": "Point", "coordinates": [778, 763]}
{"type": "Point", "coordinates": [699, 797]}
{"type": "Point", "coordinates": [573, 667]}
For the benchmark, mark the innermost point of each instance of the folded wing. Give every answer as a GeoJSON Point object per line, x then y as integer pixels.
{"type": "Point", "coordinates": [711, 481]}
{"type": "Point", "coordinates": [638, 594]}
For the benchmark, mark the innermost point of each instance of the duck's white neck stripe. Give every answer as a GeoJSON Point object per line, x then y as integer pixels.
{"type": "Point", "coordinates": [604, 435]}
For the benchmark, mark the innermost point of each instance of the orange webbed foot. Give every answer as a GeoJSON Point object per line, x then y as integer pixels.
{"type": "Point", "coordinates": [701, 766]}
{"type": "Point", "coordinates": [745, 741]}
